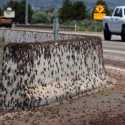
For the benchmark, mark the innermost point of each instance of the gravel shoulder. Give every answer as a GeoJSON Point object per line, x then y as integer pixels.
{"type": "Point", "coordinates": [105, 107]}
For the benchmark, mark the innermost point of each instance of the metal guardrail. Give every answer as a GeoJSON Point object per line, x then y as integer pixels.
{"type": "Point", "coordinates": [42, 26]}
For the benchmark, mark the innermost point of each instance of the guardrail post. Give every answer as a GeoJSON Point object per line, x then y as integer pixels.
{"type": "Point", "coordinates": [75, 27]}
{"type": "Point", "coordinates": [55, 25]}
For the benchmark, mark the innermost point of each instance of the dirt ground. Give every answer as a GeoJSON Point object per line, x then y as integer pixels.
{"type": "Point", "coordinates": [106, 107]}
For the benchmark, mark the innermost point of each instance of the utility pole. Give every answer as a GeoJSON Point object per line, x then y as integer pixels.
{"type": "Point", "coordinates": [26, 12]}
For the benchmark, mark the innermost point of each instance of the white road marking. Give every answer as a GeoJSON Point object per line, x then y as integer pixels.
{"type": "Point", "coordinates": [115, 68]}
{"type": "Point", "coordinates": [114, 51]}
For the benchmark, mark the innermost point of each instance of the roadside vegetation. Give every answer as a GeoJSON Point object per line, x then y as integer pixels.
{"type": "Point", "coordinates": [41, 17]}
{"type": "Point", "coordinates": [85, 25]}
{"type": "Point", "coordinates": [73, 13]}
{"type": "Point", "coordinates": [76, 14]}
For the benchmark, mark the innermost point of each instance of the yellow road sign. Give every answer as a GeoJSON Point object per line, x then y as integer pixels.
{"type": "Point", "coordinates": [99, 12]}
{"type": "Point", "coordinates": [100, 9]}
{"type": "Point", "coordinates": [99, 16]}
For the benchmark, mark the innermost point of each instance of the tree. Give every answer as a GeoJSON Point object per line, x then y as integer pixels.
{"type": "Point", "coordinates": [79, 10]}
{"type": "Point", "coordinates": [66, 10]}
{"type": "Point", "coordinates": [40, 17]}
{"type": "Point", "coordinates": [73, 10]}
{"type": "Point", "coordinates": [19, 8]}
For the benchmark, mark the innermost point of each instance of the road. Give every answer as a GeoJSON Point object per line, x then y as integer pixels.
{"type": "Point", "coordinates": [114, 49]}
{"type": "Point", "coordinates": [114, 52]}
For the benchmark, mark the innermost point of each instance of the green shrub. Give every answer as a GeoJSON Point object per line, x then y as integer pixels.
{"type": "Point", "coordinates": [40, 17]}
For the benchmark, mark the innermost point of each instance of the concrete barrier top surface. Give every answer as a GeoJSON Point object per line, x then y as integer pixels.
{"type": "Point", "coordinates": [76, 34]}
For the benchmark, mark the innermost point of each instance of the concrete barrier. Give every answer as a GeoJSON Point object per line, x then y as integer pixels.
{"type": "Point", "coordinates": [36, 74]}
{"type": "Point", "coordinates": [19, 36]}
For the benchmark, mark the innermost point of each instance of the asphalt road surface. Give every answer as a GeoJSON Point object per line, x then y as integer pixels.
{"type": "Point", "coordinates": [114, 52]}
{"type": "Point", "coordinates": [114, 49]}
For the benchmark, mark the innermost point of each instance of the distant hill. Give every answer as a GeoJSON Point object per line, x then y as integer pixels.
{"type": "Point", "coordinates": [37, 4]}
